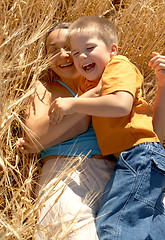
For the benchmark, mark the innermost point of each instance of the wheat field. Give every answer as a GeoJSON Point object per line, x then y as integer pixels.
{"type": "Point", "coordinates": [23, 25]}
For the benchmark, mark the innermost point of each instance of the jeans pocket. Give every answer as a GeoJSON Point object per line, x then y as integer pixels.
{"type": "Point", "coordinates": [151, 189]}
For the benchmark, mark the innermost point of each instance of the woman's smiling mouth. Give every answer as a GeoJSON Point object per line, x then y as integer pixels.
{"type": "Point", "coordinates": [66, 65]}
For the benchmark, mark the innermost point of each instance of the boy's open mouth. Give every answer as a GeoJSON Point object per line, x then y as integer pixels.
{"type": "Point", "coordinates": [88, 67]}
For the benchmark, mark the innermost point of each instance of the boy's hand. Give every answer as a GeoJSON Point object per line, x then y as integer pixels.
{"type": "Point", "coordinates": [26, 147]}
{"type": "Point", "coordinates": [157, 63]}
{"type": "Point", "coordinates": [59, 108]}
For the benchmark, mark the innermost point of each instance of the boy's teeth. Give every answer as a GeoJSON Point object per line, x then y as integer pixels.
{"type": "Point", "coordinates": [88, 66]}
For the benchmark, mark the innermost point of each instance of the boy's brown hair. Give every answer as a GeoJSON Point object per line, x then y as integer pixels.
{"type": "Point", "coordinates": [101, 27]}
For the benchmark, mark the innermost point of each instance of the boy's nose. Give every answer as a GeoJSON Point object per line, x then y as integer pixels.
{"type": "Point", "coordinates": [83, 55]}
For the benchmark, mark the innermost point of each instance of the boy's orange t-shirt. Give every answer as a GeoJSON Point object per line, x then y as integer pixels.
{"type": "Point", "coordinates": [116, 134]}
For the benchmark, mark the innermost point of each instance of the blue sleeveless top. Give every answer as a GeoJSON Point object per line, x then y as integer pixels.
{"type": "Point", "coordinates": [84, 144]}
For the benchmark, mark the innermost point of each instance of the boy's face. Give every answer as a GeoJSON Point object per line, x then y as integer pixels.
{"type": "Point", "coordinates": [90, 54]}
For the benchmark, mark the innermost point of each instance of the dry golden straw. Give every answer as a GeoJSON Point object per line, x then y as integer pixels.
{"type": "Point", "coordinates": [23, 25]}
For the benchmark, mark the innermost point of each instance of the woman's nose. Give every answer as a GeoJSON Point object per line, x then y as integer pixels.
{"type": "Point", "coordinates": [64, 52]}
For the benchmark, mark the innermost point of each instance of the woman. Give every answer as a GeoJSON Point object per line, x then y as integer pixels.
{"type": "Point", "coordinates": [78, 198]}
{"type": "Point", "coordinates": [70, 206]}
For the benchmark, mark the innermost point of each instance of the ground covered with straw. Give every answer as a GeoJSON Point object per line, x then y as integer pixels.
{"type": "Point", "coordinates": [23, 25]}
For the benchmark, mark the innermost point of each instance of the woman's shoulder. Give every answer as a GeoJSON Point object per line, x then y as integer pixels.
{"type": "Point", "coordinates": [45, 81]}
{"type": "Point", "coordinates": [44, 85]}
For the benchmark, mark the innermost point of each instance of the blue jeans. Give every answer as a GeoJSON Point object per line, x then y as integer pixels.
{"type": "Point", "coordinates": [132, 206]}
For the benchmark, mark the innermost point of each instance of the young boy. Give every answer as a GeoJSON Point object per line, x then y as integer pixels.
{"type": "Point", "coordinates": [132, 206]}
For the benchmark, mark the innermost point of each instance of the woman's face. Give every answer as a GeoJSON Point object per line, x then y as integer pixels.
{"type": "Point", "coordinates": [62, 64]}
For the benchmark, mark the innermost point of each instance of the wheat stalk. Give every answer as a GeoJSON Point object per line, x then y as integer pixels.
{"type": "Point", "coordinates": [23, 25]}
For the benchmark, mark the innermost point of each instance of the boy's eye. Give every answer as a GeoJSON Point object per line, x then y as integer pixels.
{"type": "Point", "coordinates": [90, 48]}
{"type": "Point", "coordinates": [75, 54]}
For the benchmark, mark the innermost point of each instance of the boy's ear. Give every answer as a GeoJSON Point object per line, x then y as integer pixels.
{"type": "Point", "coordinates": [113, 49]}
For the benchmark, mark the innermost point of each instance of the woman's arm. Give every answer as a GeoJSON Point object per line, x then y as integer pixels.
{"type": "Point", "coordinates": [42, 133]}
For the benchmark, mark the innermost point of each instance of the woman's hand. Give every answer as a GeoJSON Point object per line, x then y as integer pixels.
{"type": "Point", "coordinates": [59, 108]}
{"type": "Point", "coordinates": [26, 146]}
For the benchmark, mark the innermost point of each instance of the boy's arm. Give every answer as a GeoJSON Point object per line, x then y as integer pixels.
{"type": "Point", "coordinates": [56, 115]}
{"type": "Point", "coordinates": [157, 63]}
{"type": "Point", "coordinates": [117, 104]}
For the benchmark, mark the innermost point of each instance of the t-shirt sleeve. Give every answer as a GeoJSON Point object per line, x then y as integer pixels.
{"type": "Point", "coordinates": [85, 85]}
{"type": "Point", "coordinates": [81, 87]}
{"type": "Point", "coordinates": [119, 75]}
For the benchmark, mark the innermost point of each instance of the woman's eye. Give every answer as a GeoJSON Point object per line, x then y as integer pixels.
{"type": "Point", "coordinates": [67, 49]}
{"type": "Point", "coordinates": [54, 51]}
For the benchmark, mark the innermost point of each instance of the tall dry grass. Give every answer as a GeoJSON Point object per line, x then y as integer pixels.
{"type": "Point", "coordinates": [23, 25]}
